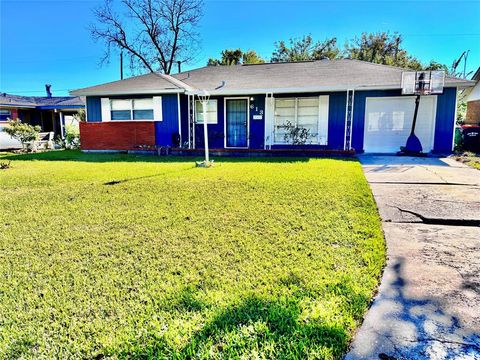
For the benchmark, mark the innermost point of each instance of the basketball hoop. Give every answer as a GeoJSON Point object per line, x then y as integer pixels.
{"type": "Point", "coordinates": [204, 98]}
{"type": "Point", "coordinates": [423, 82]}
{"type": "Point", "coordinates": [419, 83]}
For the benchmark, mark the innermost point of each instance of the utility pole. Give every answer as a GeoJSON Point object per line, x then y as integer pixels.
{"type": "Point", "coordinates": [465, 64]}
{"type": "Point", "coordinates": [457, 62]}
{"type": "Point", "coordinates": [121, 64]}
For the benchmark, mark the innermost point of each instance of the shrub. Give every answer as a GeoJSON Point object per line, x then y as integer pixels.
{"type": "Point", "coordinates": [72, 137]}
{"type": "Point", "coordinates": [296, 135]}
{"type": "Point", "coordinates": [22, 132]}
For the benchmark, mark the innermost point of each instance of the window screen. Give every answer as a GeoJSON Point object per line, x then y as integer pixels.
{"type": "Point", "coordinates": [297, 112]}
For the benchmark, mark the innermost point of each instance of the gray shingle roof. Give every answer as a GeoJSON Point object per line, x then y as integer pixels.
{"type": "Point", "coordinates": [59, 102]}
{"type": "Point", "coordinates": [322, 75]}
{"type": "Point", "coordinates": [149, 83]}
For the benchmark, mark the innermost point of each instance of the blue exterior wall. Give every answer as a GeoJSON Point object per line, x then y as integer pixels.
{"type": "Point", "coordinates": [336, 122]}
{"type": "Point", "coordinates": [94, 109]}
{"type": "Point", "coordinates": [166, 129]}
{"type": "Point", "coordinates": [445, 120]}
{"type": "Point", "coordinates": [163, 129]}
{"type": "Point", "coordinates": [359, 104]}
{"type": "Point", "coordinates": [216, 132]}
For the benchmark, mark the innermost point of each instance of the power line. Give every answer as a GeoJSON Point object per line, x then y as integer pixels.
{"type": "Point", "coordinates": [30, 91]}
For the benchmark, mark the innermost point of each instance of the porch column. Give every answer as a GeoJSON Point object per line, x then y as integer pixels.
{"type": "Point", "coordinates": [53, 121]}
{"type": "Point", "coordinates": [62, 125]}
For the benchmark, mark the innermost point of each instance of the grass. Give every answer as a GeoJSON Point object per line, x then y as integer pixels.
{"type": "Point", "coordinates": [469, 159]}
{"type": "Point", "coordinates": [136, 257]}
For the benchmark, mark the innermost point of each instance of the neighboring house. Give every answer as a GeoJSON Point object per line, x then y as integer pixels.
{"type": "Point", "coordinates": [51, 113]}
{"type": "Point", "coordinates": [473, 101]}
{"type": "Point", "coordinates": [346, 104]}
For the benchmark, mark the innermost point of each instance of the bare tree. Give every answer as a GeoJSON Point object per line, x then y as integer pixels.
{"type": "Point", "coordinates": [154, 34]}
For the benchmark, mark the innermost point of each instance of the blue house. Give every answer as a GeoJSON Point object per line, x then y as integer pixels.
{"type": "Point", "coordinates": [342, 105]}
{"type": "Point", "coordinates": [50, 113]}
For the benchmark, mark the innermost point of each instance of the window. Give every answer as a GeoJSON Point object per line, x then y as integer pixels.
{"type": "Point", "coordinates": [211, 112]}
{"type": "Point", "coordinates": [5, 115]}
{"type": "Point", "coordinates": [131, 109]}
{"type": "Point", "coordinates": [143, 109]}
{"type": "Point", "coordinates": [305, 113]}
{"type": "Point", "coordinates": [121, 109]}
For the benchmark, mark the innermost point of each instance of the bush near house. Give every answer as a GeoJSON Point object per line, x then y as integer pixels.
{"type": "Point", "coordinates": [25, 133]}
{"type": "Point", "coordinates": [145, 257]}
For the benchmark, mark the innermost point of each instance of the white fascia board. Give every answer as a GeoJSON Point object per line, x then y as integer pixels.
{"type": "Point", "coordinates": [307, 89]}
{"type": "Point", "coordinates": [291, 90]}
{"type": "Point", "coordinates": [176, 82]}
{"type": "Point", "coordinates": [126, 92]}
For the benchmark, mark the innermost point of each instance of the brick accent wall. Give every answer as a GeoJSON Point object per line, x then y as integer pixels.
{"type": "Point", "coordinates": [473, 113]}
{"type": "Point", "coordinates": [125, 135]}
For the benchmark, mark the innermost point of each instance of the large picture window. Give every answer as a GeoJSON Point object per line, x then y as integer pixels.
{"type": "Point", "coordinates": [211, 112]}
{"type": "Point", "coordinates": [305, 113]}
{"type": "Point", "coordinates": [131, 109]}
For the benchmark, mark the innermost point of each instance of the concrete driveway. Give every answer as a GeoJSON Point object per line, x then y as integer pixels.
{"type": "Point", "coordinates": [428, 305]}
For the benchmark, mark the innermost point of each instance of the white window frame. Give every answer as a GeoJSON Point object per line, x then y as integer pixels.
{"type": "Point", "coordinates": [131, 101]}
{"type": "Point", "coordinates": [106, 108]}
{"type": "Point", "coordinates": [197, 121]}
{"type": "Point", "coordinates": [319, 119]}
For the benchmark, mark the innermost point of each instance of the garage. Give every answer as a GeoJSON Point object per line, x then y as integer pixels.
{"type": "Point", "coordinates": [388, 121]}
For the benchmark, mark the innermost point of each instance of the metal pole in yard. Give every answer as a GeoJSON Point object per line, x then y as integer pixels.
{"type": "Point", "coordinates": [204, 98]}
{"type": "Point", "coordinates": [205, 130]}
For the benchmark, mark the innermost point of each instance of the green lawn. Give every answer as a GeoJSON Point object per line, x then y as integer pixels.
{"type": "Point", "coordinates": [144, 257]}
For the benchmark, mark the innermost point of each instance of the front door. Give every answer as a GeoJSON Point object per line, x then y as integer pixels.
{"type": "Point", "coordinates": [236, 123]}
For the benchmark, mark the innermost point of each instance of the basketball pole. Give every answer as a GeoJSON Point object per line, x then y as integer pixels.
{"type": "Point", "coordinates": [414, 146]}
{"type": "Point", "coordinates": [417, 103]}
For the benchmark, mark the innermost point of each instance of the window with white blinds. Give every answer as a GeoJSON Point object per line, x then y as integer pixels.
{"type": "Point", "coordinates": [309, 113]}
{"type": "Point", "coordinates": [143, 109]}
{"type": "Point", "coordinates": [211, 112]}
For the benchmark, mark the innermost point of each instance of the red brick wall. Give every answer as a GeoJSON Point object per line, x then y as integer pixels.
{"type": "Point", "coordinates": [473, 112]}
{"type": "Point", "coordinates": [128, 135]}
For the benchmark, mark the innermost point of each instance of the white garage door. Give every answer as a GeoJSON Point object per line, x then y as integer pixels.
{"type": "Point", "coordinates": [388, 122]}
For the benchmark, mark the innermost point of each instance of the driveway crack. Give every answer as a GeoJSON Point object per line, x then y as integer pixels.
{"type": "Point", "coordinates": [439, 221]}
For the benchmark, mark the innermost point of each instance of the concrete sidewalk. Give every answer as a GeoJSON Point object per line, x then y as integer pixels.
{"type": "Point", "coordinates": [428, 305]}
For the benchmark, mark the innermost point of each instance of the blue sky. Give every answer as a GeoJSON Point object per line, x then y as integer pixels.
{"type": "Point", "coordinates": [48, 41]}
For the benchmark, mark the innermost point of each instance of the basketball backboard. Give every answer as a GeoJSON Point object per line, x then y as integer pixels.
{"type": "Point", "coordinates": [423, 82]}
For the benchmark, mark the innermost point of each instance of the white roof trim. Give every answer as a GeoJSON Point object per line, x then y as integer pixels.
{"type": "Point", "coordinates": [292, 90]}
{"type": "Point", "coordinates": [309, 89]}
{"type": "Point", "coordinates": [176, 82]}
{"type": "Point", "coordinates": [127, 92]}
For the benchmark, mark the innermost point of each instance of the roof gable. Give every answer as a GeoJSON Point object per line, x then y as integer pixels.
{"type": "Point", "coordinates": [144, 84]}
